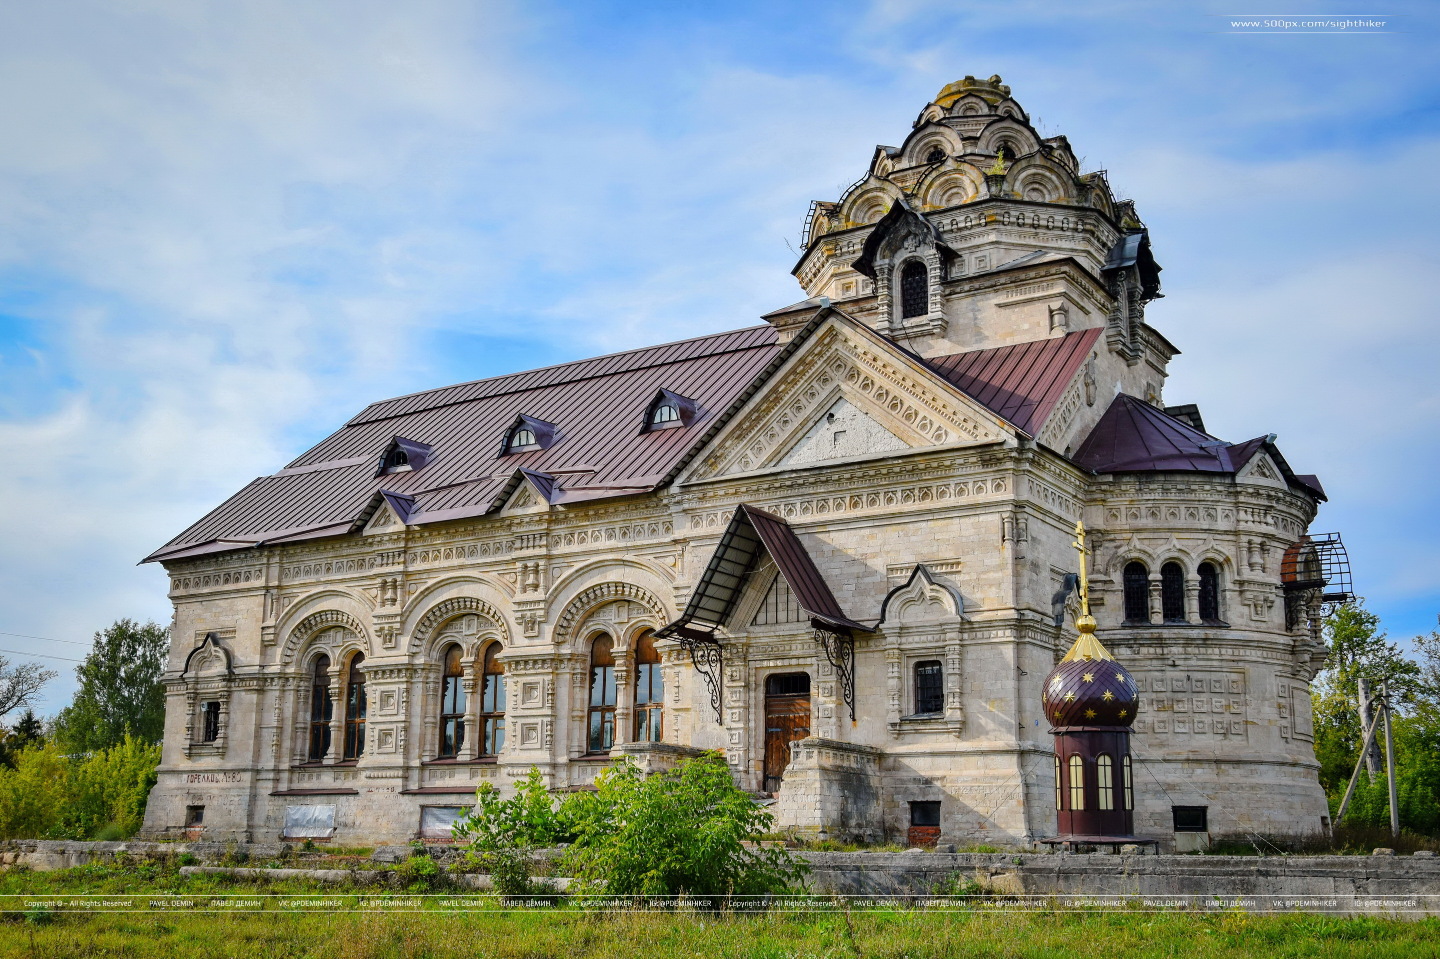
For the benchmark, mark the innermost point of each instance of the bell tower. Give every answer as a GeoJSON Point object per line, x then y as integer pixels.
{"type": "Point", "coordinates": [976, 232]}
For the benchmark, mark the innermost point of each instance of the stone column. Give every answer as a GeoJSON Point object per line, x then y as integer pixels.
{"type": "Point", "coordinates": [624, 695]}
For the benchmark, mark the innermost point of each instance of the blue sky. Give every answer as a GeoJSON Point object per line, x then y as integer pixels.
{"type": "Point", "coordinates": [224, 228]}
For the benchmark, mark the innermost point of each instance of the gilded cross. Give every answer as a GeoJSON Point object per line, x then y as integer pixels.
{"type": "Point", "coordinates": [1079, 545]}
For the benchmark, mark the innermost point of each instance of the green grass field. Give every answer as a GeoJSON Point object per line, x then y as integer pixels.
{"type": "Point", "coordinates": [433, 930]}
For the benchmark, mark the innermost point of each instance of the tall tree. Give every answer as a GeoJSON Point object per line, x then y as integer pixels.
{"type": "Point", "coordinates": [120, 690]}
{"type": "Point", "coordinates": [19, 685]}
{"type": "Point", "coordinates": [1362, 662]}
{"type": "Point", "coordinates": [27, 731]}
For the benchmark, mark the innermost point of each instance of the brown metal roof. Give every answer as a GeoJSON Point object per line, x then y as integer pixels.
{"type": "Point", "coordinates": [1022, 382]}
{"type": "Point", "coordinates": [600, 449]}
{"type": "Point", "coordinates": [752, 530]}
{"type": "Point", "coordinates": [1135, 437]}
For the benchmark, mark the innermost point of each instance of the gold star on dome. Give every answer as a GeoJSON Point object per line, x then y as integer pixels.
{"type": "Point", "coordinates": [1058, 715]}
{"type": "Point", "coordinates": [1108, 696]}
{"type": "Point", "coordinates": [1119, 677]}
{"type": "Point", "coordinates": [1056, 683]}
{"type": "Point", "coordinates": [1088, 677]}
{"type": "Point", "coordinates": [1122, 714]}
{"type": "Point", "coordinates": [1089, 714]}
{"type": "Point", "coordinates": [1069, 697]}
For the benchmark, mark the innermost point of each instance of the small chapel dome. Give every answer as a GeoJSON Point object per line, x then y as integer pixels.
{"type": "Point", "coordinates": [1088, 687]}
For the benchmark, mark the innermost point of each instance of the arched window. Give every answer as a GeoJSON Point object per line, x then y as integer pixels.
{"type": "Point", "coordinates": [1209, 593]}
{"type": "Point", "coordinates": [602, 695]}
{"type": "Point", "coordinates": [935, 155]}
{"type": "Point", "coordinates": [665, 414]}
{"type": "Point", "coordinates": [452, 705]}
{"type": "Point", "coordinates": [522, 438]}
{"type": "Point", "coordinates": [1172, 593]}
{"type": "Point", "coordinates": [1137, 593]}
{"type": "Point", "coordinates": [492, 702]}
{"type": "Point", "coordinates": [1105, 782]}
{"type": "Point", "coordinates": [1058, 793]}
{"type": "Point", "coordinates": [322, 709]}
{"type": "Point", "coordinates": [1129, 791]}
{"type": "Point", "coordinates": [649, 691]}
{"type": "Point", "coordinates": [1077, 783]}
{"type": "Point", "coordinates": [914, 289]}
{"type": "Point", "coordinates": [929, 687]}
{"type": "Point", "coordinates": [355, 707]}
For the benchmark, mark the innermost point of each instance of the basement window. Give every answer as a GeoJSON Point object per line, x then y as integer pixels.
{"type": "Point", "coordinates": [1191, 818]}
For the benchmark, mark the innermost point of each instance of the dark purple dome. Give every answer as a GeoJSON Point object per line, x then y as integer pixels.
{"type": "Point", "coordinates": [1088, 688]}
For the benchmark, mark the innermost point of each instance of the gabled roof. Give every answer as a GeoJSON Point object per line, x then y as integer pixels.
{"type": "Point", "coordinates": [751, 531]}
{"type": "Point", "coordinates": [599, 452]}
{"type": "Point", "coordinates": [1135, 437]}
{"type": "Point", "coordinates": [1023, 382]}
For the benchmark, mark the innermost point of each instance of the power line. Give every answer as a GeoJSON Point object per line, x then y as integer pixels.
{"type": "Point", "coordinates": [48, 639]}
{"type": "Point", "coordinates": [43, 655]}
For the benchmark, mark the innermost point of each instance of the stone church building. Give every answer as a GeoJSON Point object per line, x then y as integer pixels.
{"type": "Point", "coordinates": [835, 546]}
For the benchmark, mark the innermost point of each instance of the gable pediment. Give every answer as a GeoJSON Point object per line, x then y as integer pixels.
{"type": "Point", "coordinates": [846, 379]}
{"type": "Point", "coordinates": [1262, 471]}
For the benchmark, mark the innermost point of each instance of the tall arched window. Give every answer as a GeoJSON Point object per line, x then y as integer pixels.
{"type": "Point", "coordinates": [914, 289]}
{"type": "Point", "coordinates": [1137, 593]}
{"type": "Point", "coordinates": [1172, 593]}
{"type": "Point", "coordinates": [322, 709]}
{"type": "Point", "coordinates": [355, 707]}
{"type": "Point", "coordinates": [649, 691]}
{"type": "Point", "coordinates": [1077, 783]}
{"type": "Point", "coordinates": [452, 705]}
{"type": "Point", "coordinates": [1105, 782]}
{"type": "Point", "coordinates": [602, 695]}
{"type": "Point", "coordinates": [1058, 794]}
{"type": "Point", "coordinates": [492, 702]}
{"type": "Point", "coordinates": [1129, 790]}
{"type": "Point", "coordinates": [1209, 593]}
{"type": "Point", "coordinates": [929, 687]}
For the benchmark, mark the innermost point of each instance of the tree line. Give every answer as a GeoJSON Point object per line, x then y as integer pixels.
{"type": "Point", "coordinates": [85, 773]}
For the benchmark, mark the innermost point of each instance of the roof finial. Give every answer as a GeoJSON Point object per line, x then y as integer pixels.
{"type": "Point", "coordinates": [1086, 646]}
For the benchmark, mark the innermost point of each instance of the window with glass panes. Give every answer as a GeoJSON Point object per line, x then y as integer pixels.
{"type": "Point", "coordinates": [492, 702]}
{"type": "Point", "coordinates": [602, 696]}
{"type": "Point", "coordinates": [322, 709]}
{"type": "Point", "coordinates": [929, 687]}
{"type": "Point", "coordinates": [355, 709]}
{"type": "Point", "coordinates": [649, 691]}
{"type": "Point", "coordinates": [452, 705]}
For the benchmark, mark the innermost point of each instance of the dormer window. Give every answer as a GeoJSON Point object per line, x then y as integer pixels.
{"type": "Point", "coordinates": [527, 434]}
{"type": "Point", "coordinates": [402, 456]}
{"type": "Point", "coordinates": [667, 411]}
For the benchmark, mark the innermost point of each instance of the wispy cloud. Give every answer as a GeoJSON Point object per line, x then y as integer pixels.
{"type": "Point", "coordinates": [224, 228]}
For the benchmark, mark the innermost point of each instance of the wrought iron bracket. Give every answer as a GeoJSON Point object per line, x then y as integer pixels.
{"type": "Point", "coordinates": [839, 649]}
{"type": "Point", "coordinates": [709, 662]}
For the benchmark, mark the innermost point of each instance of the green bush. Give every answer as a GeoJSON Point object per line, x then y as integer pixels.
{"type": "Point", "coordinates": [689, 830]}
{"type": "Point", "coordinates": [100, 796]}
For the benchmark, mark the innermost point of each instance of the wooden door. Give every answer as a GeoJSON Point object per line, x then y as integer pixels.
{"type": "Point", "coordinates": [787, 718]}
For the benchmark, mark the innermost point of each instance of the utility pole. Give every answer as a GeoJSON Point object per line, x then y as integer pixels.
{"type": "Point", "coordinates": [1390, 761]}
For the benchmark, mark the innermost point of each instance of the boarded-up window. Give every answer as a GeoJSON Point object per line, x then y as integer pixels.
{"type": "Point", "coordinates": [309, 822]}
{"type": "Point", "coordinates": [435, 821]}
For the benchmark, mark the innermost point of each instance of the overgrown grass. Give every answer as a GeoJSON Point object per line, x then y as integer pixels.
{"type": "Point", "coordinates": [437, 930]}
{"type": "Point", "coordinates": [1345, 840]}
{"type": "Point", "coordinates": [889, 933]}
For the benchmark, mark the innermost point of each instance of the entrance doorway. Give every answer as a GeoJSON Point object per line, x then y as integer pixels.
{"type": "Point", "coordinates": [787, 718]}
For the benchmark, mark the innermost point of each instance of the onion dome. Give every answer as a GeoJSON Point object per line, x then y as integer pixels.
{"type": "Point", "coordinates": [1088, 687]}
